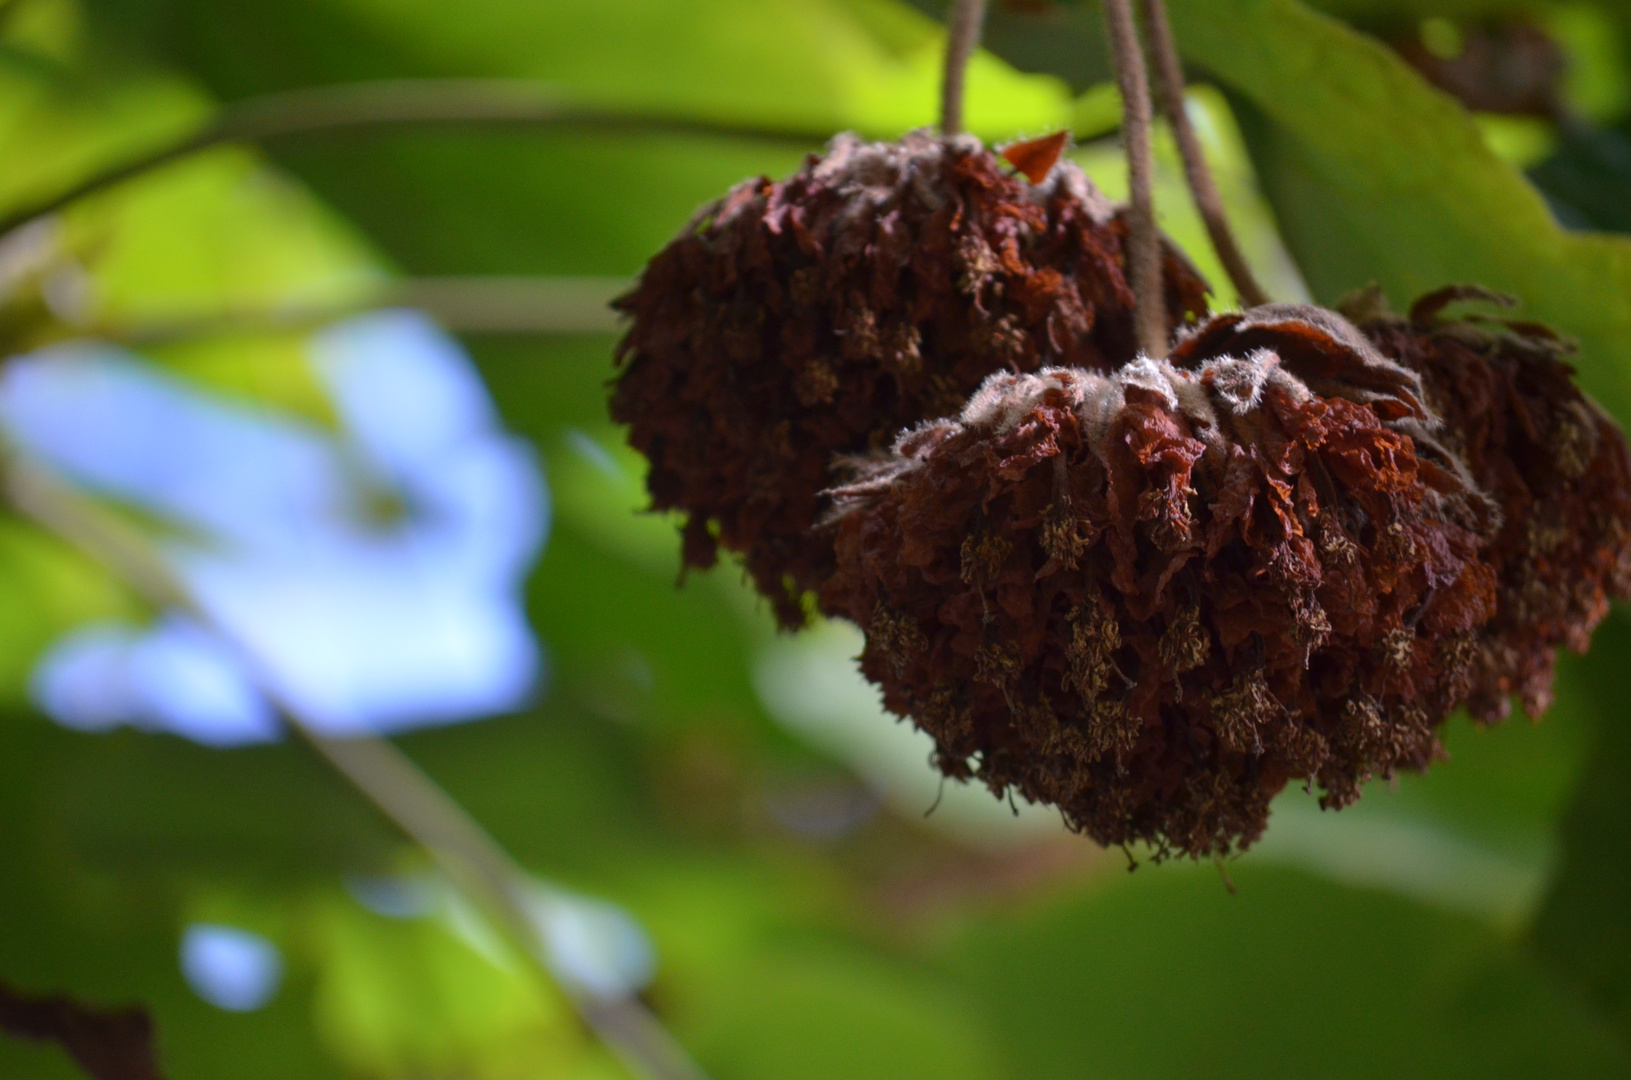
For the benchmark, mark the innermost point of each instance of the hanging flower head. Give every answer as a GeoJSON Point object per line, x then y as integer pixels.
{"type": "Point", "coordinates": [1553, 461]}
{"type": "Point", "coordinates": [1153, 597]}
{"type": "Point", "coordinates": [873, 289]}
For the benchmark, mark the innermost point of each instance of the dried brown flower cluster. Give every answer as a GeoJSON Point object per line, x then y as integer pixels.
{"type": "Point", "coordinates": [1555, 464]}
{"type": "Point", "coordinates": [1155, 596]}
{"type": "Point", "coordinates": [1151, 593]}
{"type": "Point", "coordinates": [875, 288]}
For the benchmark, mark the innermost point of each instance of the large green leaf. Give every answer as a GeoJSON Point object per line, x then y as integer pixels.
{"type": "Point", "coordinates": [1168, 975]}
{"type": "Point", "coordinates": [413, 996]}
{"type": "Point", "coordinates": [1585, 927]}
{"type": "Point", "coordinates": [819, 1009]}
{"type": "Point", "coordinates": [1375, 176]}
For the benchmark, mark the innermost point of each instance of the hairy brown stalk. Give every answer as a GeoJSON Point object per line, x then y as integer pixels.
{"type": "Point", "coordinates": [963, 25]}
{"type": "Point", "coordinates": [1170, 71]}
{"type": "Point", "coordinates": [1144, 243]}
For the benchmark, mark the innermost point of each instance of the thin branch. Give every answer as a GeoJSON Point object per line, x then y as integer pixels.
{"type": "Point", "coordinates": [480, 868]}
{"type": "Point", "coordinates": [1169, 70]}
{"type": "Point", "coordinates": [963, 25]}
{"type": "Point", "coordinates": [400, 102]}
{"type": "Point", "coordinates": [476, 864]}
{"type": "Point", "coordinates": [520, 305]}
{"type": "Point", "coordinates": [516, 305]}
{"type": "Point", "coordinates": [1144, 243]}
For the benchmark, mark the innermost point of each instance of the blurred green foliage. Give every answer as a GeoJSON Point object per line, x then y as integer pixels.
{"type": "Point", "coordinates": [1475, 921]}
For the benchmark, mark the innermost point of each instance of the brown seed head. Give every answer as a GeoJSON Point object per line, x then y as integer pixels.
{"type": "Point", "coordinates": [820, 315]}
{"type": "Point", "coordinates": [1262, 578]}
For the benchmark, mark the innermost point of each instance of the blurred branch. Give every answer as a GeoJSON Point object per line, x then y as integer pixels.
{"type": "Point", "coordinates": [1170, 70]}
{"type": "Point", "coordinates": [516, 305]}
{"type": "Point", "coordinates": [963, 23]}
{"type": "Point", "coordinates": [476, 864]}
{"type": "Point", "coordinates": [404, 102]}
{"type": "Point", "coordinates": [467, 305]}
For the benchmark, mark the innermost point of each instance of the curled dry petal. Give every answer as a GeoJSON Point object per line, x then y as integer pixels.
{"type": "Point", "coordinates": [819, 315]}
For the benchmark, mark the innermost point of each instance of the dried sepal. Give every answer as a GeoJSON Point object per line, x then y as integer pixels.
{"type": "Point", "coordinates": [820, 315]}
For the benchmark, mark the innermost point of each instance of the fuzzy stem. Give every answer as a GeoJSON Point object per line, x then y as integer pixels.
{"type": "Point", "coordinates": [963, 25]}
{"type": "Point", "coordinates": [1144, 242]}
{"type": "Point", "coordinates": [398, 102]}
{"type": "Point", "coordinates": [1170, 71]}
{"type": "Point", "coordinates": [473, 861]}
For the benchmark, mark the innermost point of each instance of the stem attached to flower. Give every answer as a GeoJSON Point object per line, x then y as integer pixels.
{"type": "Point", "coordinates": [1143, 243]}
{"type": "Point", "coordinates": [473, 861]}
{"type": "Point", "coordinates": [400, 103]}
{"type": "Point", "coordinates": [1170, 71]}
{"type": "Point", "coordinates": [962, 38]}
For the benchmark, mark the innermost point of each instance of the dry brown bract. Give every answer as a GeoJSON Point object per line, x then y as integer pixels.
{"type": "Point", "coordinates": [1154, 597]}
{"type": "Point", "coordinates": [873, 289]}
{"type": "Point", "coordinates": [1552, 460]}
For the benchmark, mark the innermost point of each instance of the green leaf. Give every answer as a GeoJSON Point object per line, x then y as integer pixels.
{"type": "Point", "coordinates": [1375, 176]}
{"type": "Point", "coordinates": [821, 1011]}
{"type": "Point", "coordinates": [1165, 974]}
{"type": "Point", "coordinates": [1585, 926]}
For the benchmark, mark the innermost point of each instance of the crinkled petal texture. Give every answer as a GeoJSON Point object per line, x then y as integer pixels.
{"type": "Point", "coordinates": [1155, 596]}
{"type": "Point", "coordinates": [820, 315]}
{"type": "Point", "coordinates": [1554, 463]}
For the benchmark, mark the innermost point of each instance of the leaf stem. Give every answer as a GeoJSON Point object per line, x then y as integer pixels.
{"type": "Point", "coordinates": [1169, 70]}
{"type": "Point", "coordinates": [399, 102]}
{"type": "Point", "coordinates": [963, 25]}
{"type": "Point", "coordinates": [474, 862]}
{"type": "Point", "coordinates": [1143, 242]}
